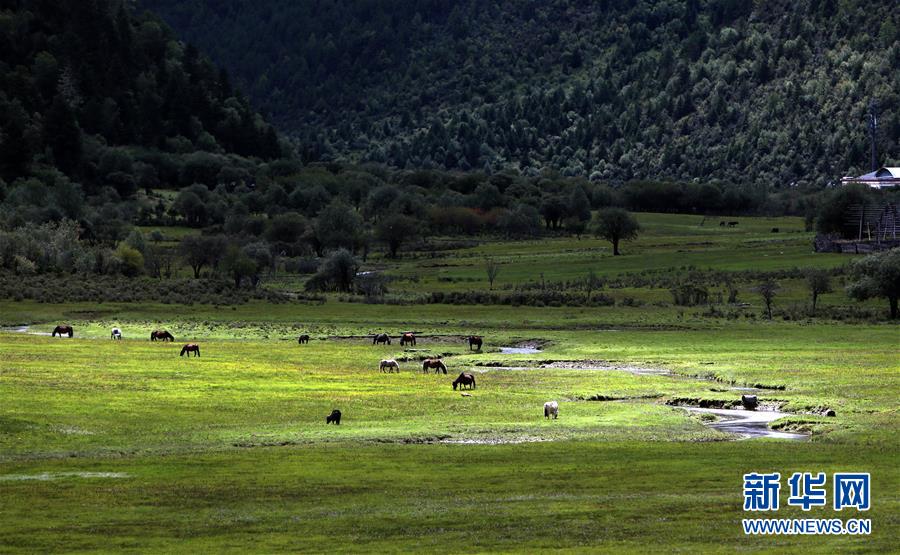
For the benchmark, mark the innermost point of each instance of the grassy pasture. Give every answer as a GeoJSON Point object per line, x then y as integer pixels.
{"type": "Point", "coordinates": [668, 241]}
{"type": "Point", "coordinates": [230, 450]}
{"type": "Point", "coordinates": [124, 446]}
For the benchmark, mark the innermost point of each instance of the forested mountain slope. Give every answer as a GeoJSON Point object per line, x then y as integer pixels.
{"type": "Point", "coordinates": [94, 97]}
{"type": "Point", "coordinates": [762, 92]}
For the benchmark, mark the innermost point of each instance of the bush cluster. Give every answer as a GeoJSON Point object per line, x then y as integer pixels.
{"type": "Point", "coordinates": [61, 288]}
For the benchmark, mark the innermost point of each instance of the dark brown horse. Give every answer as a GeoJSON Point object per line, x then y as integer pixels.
{"type": "Point", "coordinates": [161, 335]}
{"type": "Point", "coordinates": [380, 339]}
{"type": "Point", "coordinates": [303, 339]}
{"type": "Point", "coordinates": [190, 348]}
{"type": "Point", "coordinates": [408, 339]}
{"type": "Point", "coordinates": [334, 418]}
{"type": "Point", "coordinates": [464, 380]}
{"type": "Point", "coordinates": [435, 363]}
{"type": "Point", "coordinates": [67, 330]}
{"type": "Point", "coordinates": [475, 341]}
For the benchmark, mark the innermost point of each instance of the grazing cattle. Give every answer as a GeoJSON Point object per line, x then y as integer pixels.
{"type": "Point", "coordinates": [775, 230]}
{"type": "Point", "coordinates": [303, 339]}
{"type": "Point", "coordinates": [408, 339]}
{"type": "Point", "coordinates": [380, 339]}
{"type": "Point", "coordinates": [63, 330]}
{"type": "Point", "coordinates": [476, 342]}
{"type": "Point", "coordinates": [161, 335]}
{"type": "Point", "coordinates": [732, 224]}
{"type": "Point", "coordinates": [551, 408]}
{"type": "Point", "coordinates": [722, 223]}
{"type": "Point", "coordinates": [116, 333]}
{"type": "Point", "coordinates": [190, 348]}
{"type": "Point", "coordinates": [750, 402]}
{"type": "Point", "coordinates": [390, 364]}
{"type": "Point", "coordinates": [435, 363]}
{"type": "Point", "coordinates": [334, 418]}
{"type": "Point", "coordinates": [464, 380]}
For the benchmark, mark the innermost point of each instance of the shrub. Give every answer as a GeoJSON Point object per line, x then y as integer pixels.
{"type": "Point", "coordinates": [130, 260]}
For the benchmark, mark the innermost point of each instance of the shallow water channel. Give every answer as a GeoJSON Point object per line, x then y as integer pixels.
{"type": "Point", "coordinates": [745, 424]}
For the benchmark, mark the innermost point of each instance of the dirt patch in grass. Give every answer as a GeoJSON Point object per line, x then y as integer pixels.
{"type": "Point", "coordinates": [606, 365]}
{"type": "Point", "coordinates": [47, 476]}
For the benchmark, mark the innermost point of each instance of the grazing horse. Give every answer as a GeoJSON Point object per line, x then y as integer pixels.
{"type": "Point", "coordinates": [408, 339]}
{"type": "Point", "coordinates": [190, 348]}
{"type": "Point", "coordinates": [464, 380]}
{"type": "Point", "coordinates": [67, 330]}
{"type": "Point", "coordinates": [551, 407]}
{"type": "Point", "coordinates": [116, 333]}
{"type": "Point", "coordinates": [303, 339]}
{"type": "Point", "coordinates": [435, 363]}
{"type": "Point", "coordinates": [390, 364]}
{"type": "Point", "coordinates": [475, 341]}
{"type": "Point", "coordinates": [161, 335]}
{"type": "Point", "coordinates": [380, 339]}
{"type": "Point", "coordinates": [334, 418]}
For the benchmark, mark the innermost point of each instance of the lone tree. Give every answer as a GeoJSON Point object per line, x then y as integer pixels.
{"type": "Point", "coordinates": [394, 230]}
{"type": "Point", "coordinates": [201, 251]}
{"type": "Point", "coordinates": [767, 290]}
{"type": "Point", "coordinates": [337, 273]}
{"type": "Point", "coordinates": [818, 282]}
{"type": "Point", "coordinates": [239, 265]}
{"type": "Point", "coordinates": [614, 225]}
{"type": "Point", "coordinates": [877, 276]}
{"type": "Point", "coordinates": [491, 268]}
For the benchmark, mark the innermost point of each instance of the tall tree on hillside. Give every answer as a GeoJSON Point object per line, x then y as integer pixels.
{"type": "Point", "coordinates": [63, 136]}
{"type": "Point", "coordinates": [768, 289]}
{"type": "Point", "coordinates": [615, 225]}
{"type": "Point", "coordinates": [339, 226]}
{"type": "Point", "coordinates": [200, 252]}
{"type": "Point", "coordinates": [818, 282]}
{"type": "Point", "coordinates": [395, 230]}
{"type": "Point", "coordinates": [877, 276]}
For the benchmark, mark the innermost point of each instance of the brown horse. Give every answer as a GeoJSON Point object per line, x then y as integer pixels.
{"type": "Point", "coordinates": [435, 363]}
{"type": "Point", "coordinates": [190, 348]}
{"type": "Point", "coordinates": [381, 338]}
{"type": "Point", "coordinates": [67, 330]}
{"type": "Point", "coordinates": [303, 339]}
{"type": "Point", "coordinates": [408, 339]}
{"type": "Point", "coordinates": [475, 341]}
{"type": "Point", "coordinates": [464, 380]}
{"type": "Point", "coordinates": [161, 335]}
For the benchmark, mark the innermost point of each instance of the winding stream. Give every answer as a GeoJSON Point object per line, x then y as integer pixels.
{"type": "Point", "coordinates": [745, 424]}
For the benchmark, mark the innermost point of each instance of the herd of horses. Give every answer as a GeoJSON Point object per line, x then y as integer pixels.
{"type": "Point", "coordinates": [116, 334]}
{"type": "Point", "coordinates": [389, 365]}
{"type": "Point", "coordinates": [463, 381]}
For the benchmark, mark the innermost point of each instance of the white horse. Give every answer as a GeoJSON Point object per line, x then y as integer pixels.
{"type": "Point", "coordinates": [551, 407]}
{"type": "Point", "coordinates": [390, 364]}
{"type": "Point", "coordinates": [115, 334]}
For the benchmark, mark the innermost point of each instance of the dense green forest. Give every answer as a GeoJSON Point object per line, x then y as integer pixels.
{"type": "Point", "coordinates": [94, 95]}
{"type": "Point", "coordinates": [769, 93]}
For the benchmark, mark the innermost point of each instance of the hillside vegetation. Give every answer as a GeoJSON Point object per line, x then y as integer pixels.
{"type": "Point", "coordinates": [95, 100]}
{"type": "Point", "coordinates": [767, 92]}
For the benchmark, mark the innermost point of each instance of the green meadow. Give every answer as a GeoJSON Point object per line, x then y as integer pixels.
{"type": "Point", "coordinates": [125, 446]}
